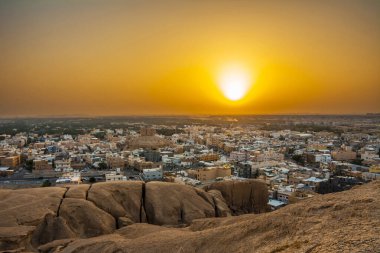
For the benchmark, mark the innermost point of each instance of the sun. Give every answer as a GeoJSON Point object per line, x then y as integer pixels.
{"type": "Point", "coordinates": [234, 81]}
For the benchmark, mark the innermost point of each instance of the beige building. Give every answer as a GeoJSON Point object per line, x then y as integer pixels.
{"type": "Point", "coordinates": [63, 165]}
{"type": "Point", "coordinates": [10, 161]}
{"type": "Point", "coordinates": [210, 173]}
{"type": "Point", "coordinates": [115, 162]}
{"type": "Point", "coordinates": [209, 157]}
{"type": "Point", "coordinates": [268, 156]}
{"type": "Point", "coordinates": [374, 169]}
{"type": "Point", "coordinates": [42, 165]}
{"type": "Point", "coordinates": [343, 155]}
{"type": "Point", "coordinates": [140, 164]}
{"type": "Point", "coordinates": [113, 176]}
{"type": "Point", "coordinates": [146, 131]}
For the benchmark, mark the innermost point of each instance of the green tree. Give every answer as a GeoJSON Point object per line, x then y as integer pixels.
{"type": "Point", "coordinates": [102, 166]}
{"type": "Point", "coordinates": [299, 159]}
{"type": "Point", "coordinates": [100, 135]}
{"type": "Point", "coordinates": [29, 165]}
{"type": "Point", "coordinates": [46, 183]}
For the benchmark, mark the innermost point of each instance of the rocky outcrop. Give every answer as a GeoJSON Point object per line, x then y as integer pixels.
{"type": "Point", "coordinates": [50, 229]}
{"type": "Point", "coordinates": [85, 219]}
{"type": "Point", "coordinates": [249, 196]}
{"type": "Point", "coordinates": [120, 199]}
{"type": "Point", "coordinates": [221, 207]}
{"type": "Point", "coordinates": [28, 207]}
{"type": "Point", "coordinates": [340, 222]}
{"type": "Point", "coordinates": [78, 191]}
{"type": "Point", "coordinates": [15, 238]}
{"type": "Point", "coordinates": [173, 204]}
{"type": "Point", "coordinates": [67, 216]}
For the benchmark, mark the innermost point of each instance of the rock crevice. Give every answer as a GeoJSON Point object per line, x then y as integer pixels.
{"type": "Point", "coordinates": [60, 203]}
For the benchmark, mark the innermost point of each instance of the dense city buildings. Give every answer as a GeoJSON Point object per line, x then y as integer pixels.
{"type": "Point", "coordinates": [170, 169]}
{"type": "Point", "coordinates": [297, 156]}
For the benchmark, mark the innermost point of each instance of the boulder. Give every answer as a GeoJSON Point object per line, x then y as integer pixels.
{"type": "Point", "coordinates": [15, 237]}
{"type": "Point", "coordinates": [50, 229]}
{"type": "Point", "coordinates": [85, 219]}
{"type": "Point", "coordinates": [124, 221]}
{"type": "Point", "coordinates": [28, 207]}
{"type": "Point", "coordinates": [120, 199]}
{"type": "Point", "coordinates": [175, 204]}
{"type": "Point", "coordinates": [221, 207]}
{"type": "Point", "coordinates": [242, 197]}
{"type": "Point", "coordinates": [77, 191]}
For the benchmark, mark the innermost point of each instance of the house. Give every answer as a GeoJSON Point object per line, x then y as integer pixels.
{"type": "Point", "coordinates": [210, 173]}
{"type": "Point", "coordinates": [113, 176]}
{"type": "Point", "coordinates": [275, 204]}
{"type": "Point", "coordinates": [6, 171]}
{"type": "Point", "coordinates": [152, 174]}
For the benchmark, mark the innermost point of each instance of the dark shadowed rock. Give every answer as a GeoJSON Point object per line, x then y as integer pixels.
{"type": "Point", "coordinates": [50, 229]}
{"type": "Point", "coordinates": [243, 196]}
{"type": "Point", "coordinates": [15, 237]}
{"type": "Point", "coordinates": [55, 246]}
{"type": "Point", "coordinates": [222, 209]}
{"type": "Point", "coordinates": [124, 221]}
{"type": "Point", "coordinates": [174, 204]}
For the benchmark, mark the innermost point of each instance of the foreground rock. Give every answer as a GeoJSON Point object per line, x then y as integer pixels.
{"type": "Point", "coordinates": [173, 204]}
{"type": "Point", "coordinates": [28, 207]}
{"type": "Point", "coordinates": [56, 216]}
{"type": "Point", "coordinates": [120, 199]}
{"type": "Point", "coordinates": [243, 196]}
{"type": "Point", "coordinates": [341, 222]}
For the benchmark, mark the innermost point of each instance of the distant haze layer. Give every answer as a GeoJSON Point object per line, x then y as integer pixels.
{"type": "Point", "coordinates": [166, 57]}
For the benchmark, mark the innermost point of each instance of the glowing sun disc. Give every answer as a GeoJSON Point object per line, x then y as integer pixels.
{"type": "Point", "coordinates": [234, 83]}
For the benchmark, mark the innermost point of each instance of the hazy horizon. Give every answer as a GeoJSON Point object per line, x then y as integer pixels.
{"type": "Point", "coordinates": [177, 115]}
{"type": "Point", "coordinates": [108, 58]}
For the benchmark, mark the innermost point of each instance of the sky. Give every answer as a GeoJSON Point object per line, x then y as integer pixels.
{"type": "Point", "coordinates": [161, 57]}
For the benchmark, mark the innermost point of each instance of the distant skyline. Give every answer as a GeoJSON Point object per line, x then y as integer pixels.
{"type": "Point", "coordinates": [99, 58]}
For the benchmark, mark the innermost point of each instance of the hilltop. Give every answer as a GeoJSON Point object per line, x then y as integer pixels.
{"type": "Point", "coordinates": [166, 217]}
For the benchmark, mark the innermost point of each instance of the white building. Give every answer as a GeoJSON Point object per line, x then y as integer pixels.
{"type": "Point", "coordinates": [153, 174]}
{"type": "Point", "coordinates": [113, 176]}
{"type": "Point", "coordinates": [63, 165]}
{"type": "Point", "coordinates": [239, 156]}
{"type": "Point", "coordinates": [323, 158]}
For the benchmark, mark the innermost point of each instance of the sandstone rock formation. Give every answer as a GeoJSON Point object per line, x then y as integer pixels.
{"type": "Point", "coordinates": [78, 191]}
{"type": "Point", "coordinates": [243, 196]}
{"type": "Point", "coordinates": [340, 222]}
{"type": "Point", "coordinates": [120, 199]}
{"type": "Point", "coordinates": [173, 204]}
{"type": "Point", "coordinates": [39, 216]}
{"type": "Point", "coordinates": [28, 207]}
{"type": "Point", "coordinates": [85, 219]}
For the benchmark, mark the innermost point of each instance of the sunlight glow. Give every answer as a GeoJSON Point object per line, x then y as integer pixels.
{"type": "Point", "coordinates": [235, 82]}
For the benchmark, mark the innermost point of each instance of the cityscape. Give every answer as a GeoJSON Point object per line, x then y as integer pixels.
{"type": "Point", "coordinates": [294, 155]}
{"type": "Point", "coordinates": [190, 126]}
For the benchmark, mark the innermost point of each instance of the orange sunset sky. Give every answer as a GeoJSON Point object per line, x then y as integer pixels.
{"type": "Point", "coordinates": [171, 57]}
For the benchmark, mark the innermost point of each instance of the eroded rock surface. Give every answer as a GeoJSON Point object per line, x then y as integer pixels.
{"type": "Point", "coordinates": [249, 196]}
{"type": "Point", "coordinates": [341, 222]}
{"type": "Point", "coordinates": [173, 204]}
{"type": "Point", "coordinates": [85, 219]}
{"type": "Point", "coordinates": [53, 218]}
{"type": "Point", "coordinates": [120, 199]}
